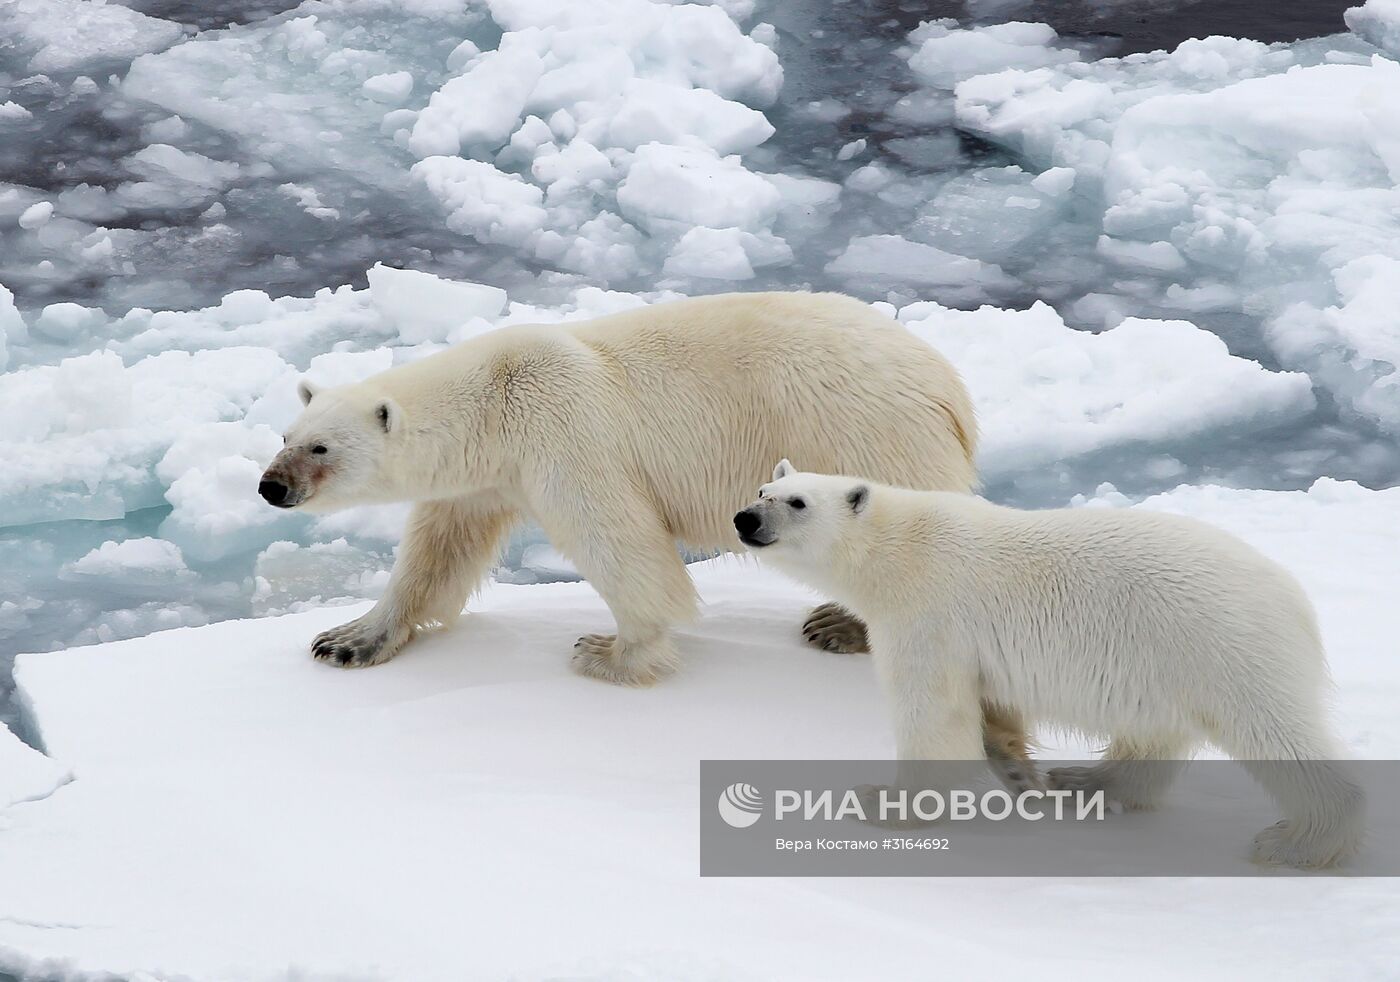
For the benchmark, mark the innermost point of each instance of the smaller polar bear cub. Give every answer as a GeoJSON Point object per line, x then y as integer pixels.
{"type": "Point", "coordinates": [1159, 632]}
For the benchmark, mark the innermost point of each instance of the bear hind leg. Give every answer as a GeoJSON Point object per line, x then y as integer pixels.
{"type": "Point", "coordinates": [1323, 806]}
{"type": "Point", "coordinates": [624, 550]}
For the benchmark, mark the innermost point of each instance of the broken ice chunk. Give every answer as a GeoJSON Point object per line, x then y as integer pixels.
{"type": "Point", "coordinates": [1378, 21]}
{"type": "Point", "coordinates": [1046, 393]}
{"type": "Point", "coordinates": [946, 57]}
{"type": "Point", "coordinates": [482, 201]}
{"type": "Point", "coordinates": [889, 260]}
{"type": "Point", "coordinates": [391, 88]}
{"type": "Point", "coordinates": [694, 186]}
{"type": "Point", "coordinates": [423, 307]}
{"type": "Point", "coordinates": [141, 561]}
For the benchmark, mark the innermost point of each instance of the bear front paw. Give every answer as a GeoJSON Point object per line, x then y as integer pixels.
{"type": "Point", "coordinates": [832, 627]}
{"type": "Point", "coordinates": [604, 657]}
{"type": "Point", "coordinates": [358, 644]}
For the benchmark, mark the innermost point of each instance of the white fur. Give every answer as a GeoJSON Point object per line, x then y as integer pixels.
{"type": "Point", "coordinates": [620, 436]}
{"type": "Point", "coordinates": [1157, 632]}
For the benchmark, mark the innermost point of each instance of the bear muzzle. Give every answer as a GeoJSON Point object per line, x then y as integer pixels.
{"type": "Point", "coordinates": [291, 478]}
{"type": "Point", "coordinates": [281, 485]}
{"type": "Point", "coordinates": [749, 524]}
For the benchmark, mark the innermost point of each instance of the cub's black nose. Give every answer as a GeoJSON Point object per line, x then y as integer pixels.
{"type": "Point", "coordinates": [747, 522]}
{"type": "Point", "coordinates": [273, 492]}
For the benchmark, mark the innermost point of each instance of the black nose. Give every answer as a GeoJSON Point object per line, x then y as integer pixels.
{"type": "Point", "coordinates": [273, 492]}
{"type": "Point", "coordinates": [747, 521]}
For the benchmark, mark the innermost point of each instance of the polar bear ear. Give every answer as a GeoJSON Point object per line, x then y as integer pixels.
{"type": "Point", "coordinates": [858, 497]}
{"type": "Point", "coordinates": [307, 390]}
{"type": "Point", "coordinates": [783, 469]}
{"type": "Point", "coordinates": [389, 415]}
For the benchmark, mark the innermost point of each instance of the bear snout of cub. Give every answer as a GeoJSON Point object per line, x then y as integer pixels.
{"type": "Point", "coordinates": [779, 516]}
{"type": "Point", "coordinates": [749, 524]}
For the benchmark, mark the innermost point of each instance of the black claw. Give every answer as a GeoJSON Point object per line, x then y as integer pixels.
{"type": "Point", "coordinates": [345, 655]}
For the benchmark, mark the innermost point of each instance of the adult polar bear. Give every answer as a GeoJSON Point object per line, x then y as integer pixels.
{"type": "Point", "coordinates": [620, 436]}
{"type": "Point", "coordinates": [1156, 631]}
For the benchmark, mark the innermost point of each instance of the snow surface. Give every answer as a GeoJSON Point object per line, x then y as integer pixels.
{"type": "Point", "coordinates": [25, 773]}
{"type": "Point", "coordinates": [473, 808]}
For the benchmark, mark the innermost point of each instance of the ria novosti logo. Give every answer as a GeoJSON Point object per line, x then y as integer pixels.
{"type": "Point", "coordinates": [740, 805]}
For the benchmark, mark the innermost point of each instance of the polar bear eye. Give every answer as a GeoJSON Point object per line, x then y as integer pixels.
{"type": "Point", "coordinates": [797, 503]}
{"type": "Point", "coordinates": [319, 448]}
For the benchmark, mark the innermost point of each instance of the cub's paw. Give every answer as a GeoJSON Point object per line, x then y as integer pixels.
{"type": "Point", "coordinates": [1281, 844]}
{"type": "Point", "coordinates": [605, 658]}
{"type": "Point", "coordinates": [832, 627]}
{"type": "Point", "coordinates": [1123, 789]}
{"type": "Point", "coordinates": [1085, 779]}
{"type": "Point", "coordinates": [358, 644]}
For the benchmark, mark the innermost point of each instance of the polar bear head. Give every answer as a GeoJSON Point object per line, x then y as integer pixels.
{"type": "Point", "coordinates": [339, 452]}
{"type": "Point", "coordinates": [801, 518]}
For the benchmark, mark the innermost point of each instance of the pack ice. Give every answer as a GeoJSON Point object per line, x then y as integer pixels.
{"type": "Point", "coordinates": [1231, 178]}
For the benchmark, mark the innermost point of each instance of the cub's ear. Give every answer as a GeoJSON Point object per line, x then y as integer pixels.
{"type": "Point", "coordinates": [783, 469]}
{"type": "Point", "coordinates": [307, 390]}
{"type": "Point", "coordinates": [858, 497]}
{"type": "Point", "coordinates": [388, 414]}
